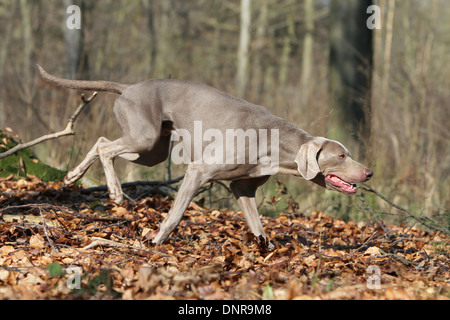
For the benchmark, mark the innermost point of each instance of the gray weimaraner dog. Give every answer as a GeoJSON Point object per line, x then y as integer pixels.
{"type": "Point", "coordinates": [152, 112]}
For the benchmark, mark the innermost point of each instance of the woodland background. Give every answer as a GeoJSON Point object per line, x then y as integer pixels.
{"type": "Point", "coordinates": [276, 53]}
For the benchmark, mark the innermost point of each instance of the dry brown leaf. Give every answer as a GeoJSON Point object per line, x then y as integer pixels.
{"type": "Point", "coordinates": [372, 251]}
{"type": "Point", "coordinates": [37, 241]}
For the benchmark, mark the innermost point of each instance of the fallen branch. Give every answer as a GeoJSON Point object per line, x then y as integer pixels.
{"type": "Point", "coordinates": [33, 206]}
{"type": "Point", "coordinates": [46, 231]}
{"type": "Point", "coordinates": [68, 131]}
{"type": "Point", "coordinates": [403, 260]}
{"type": "Point", "coordinates": [110, 243]}
{"type": "Point", "coordinates": [104, 242]}
{"type": "Point", "coordinates": [134, 184]}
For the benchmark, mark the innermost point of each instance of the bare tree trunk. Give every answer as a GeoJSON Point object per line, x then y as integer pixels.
{"type": "Point", "coordinates": [6, 38]}
{"type": "Point", "coordinates": [286, 52]}
{"type": "Point", "coordinates": [350, 71]}
{"type": "Point", "coordinates": [76, 56]}
{"type": "Point", "coordinates": [258, 61]}
{"type": "Point", "coordinates": [308, 47]}
{"type": "Point", "coordinates": [4, 48]}
{"type": "Point", "coordinates": [28, 44]}
{"type": "Point", "coordinates": [243, 51]}
{"type": "Point", "coordinates": [217, 65]}
{"type": "Point", "coordinates": [73, 39]}
{"type": "Point", "coordinates": [387, 52]}
{"type": "Point", "coordinates": [148, 6]}
{"type": "Point", "coordinates": [164, 55]}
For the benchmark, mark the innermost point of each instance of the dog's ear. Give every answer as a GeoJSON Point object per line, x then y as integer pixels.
{"type": "Point", "coordinates": [306, 158]}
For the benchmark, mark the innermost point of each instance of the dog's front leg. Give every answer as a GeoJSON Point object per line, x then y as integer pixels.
{"type": "Point", "coordinates": [244, 191]}
{"type": "Point", "coordinates": [192, 181]}
{"type": "Point", "coordinates": [251, 215]}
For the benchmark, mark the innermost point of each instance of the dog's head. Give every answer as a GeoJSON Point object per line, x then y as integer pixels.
{"type": "Point", "coordinates": [329, 164]}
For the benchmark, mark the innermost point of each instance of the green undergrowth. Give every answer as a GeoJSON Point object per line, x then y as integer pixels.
{"type": "Point", "coordinates": [25, 162]}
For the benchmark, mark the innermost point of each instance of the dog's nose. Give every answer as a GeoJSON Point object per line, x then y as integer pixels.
{"type": "Point", "coordinates": [369, 174]}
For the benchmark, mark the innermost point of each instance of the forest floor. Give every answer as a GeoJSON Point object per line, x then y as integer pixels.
{"type": "Point", "coordinates": [59, 242]}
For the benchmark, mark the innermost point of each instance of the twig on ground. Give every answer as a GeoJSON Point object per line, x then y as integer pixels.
{"type": "Point", "coordinates": [34, 206]}
{"type": "Point", "coordinates": [110, 243]}
{"type": "Point", "coordinates": [362, 246]}
{"type": "Point", "coordinates": [104, 242]}
{"type": "Point", "coordinates": [65, 210]}
{"type": "Point", "coordinates": [46, 232]}
{"type": "Point", "coordinates": [403, 260]}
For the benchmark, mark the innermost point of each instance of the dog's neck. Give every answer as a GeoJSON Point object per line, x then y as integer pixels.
{"type": "Point", "coordinates": [291, 139]}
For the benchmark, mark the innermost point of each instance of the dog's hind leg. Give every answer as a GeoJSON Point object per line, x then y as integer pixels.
{"type": "Point", "coordinates": [78, 172]}
{"type": "Point", "coordinates": [107, 152]}
{"type": "Point", "coordinates": [140, 133]}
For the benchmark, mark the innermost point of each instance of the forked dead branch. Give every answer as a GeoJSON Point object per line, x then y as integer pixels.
{"type": "Point", "coordinates": [68, 131]}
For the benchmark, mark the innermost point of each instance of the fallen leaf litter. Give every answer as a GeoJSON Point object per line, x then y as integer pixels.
{"type": "Point", "coordinates": [211, 255]}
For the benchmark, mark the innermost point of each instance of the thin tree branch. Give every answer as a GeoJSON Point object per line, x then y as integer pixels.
{"type": "Point", "coordinates": [380, 221]}
{"type": "Point", "coordinates": [68, 131]}
{"type": "Point", "coordinates": [423, 220]}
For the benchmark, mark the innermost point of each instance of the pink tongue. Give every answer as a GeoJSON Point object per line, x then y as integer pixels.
{"type": "Point", "coordinates": [337, 181]}
{"type": "Point", "coordinates": [342, 184]}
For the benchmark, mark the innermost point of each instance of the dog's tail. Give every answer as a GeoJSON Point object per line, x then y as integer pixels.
{"type": "Point", "coordinates": [83, 85]}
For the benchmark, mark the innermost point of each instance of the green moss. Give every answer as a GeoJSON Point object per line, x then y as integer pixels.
{"type": "Point", "coordinates": [25, 162]}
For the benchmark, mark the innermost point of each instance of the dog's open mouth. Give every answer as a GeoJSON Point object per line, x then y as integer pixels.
{"type": "Point", "coordinates": [336, 183]}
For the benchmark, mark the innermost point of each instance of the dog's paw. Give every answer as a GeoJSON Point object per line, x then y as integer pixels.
{"type": "Point", "coordinates": [157, 240]}
{"type": "Point", "coordinates": [117, 198]}
{"type": "Point", "coordinates": [71, 177]}
{"type": "Point", "coordinates": [116, 195]}
{"type": "Point", "coordinates": [265, 244]}
{"type": "Point", "coordinates": [270, 246]}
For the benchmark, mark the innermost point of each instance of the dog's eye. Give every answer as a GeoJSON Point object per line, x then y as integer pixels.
{"type": "Point", "coordinates": [342, 156]}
